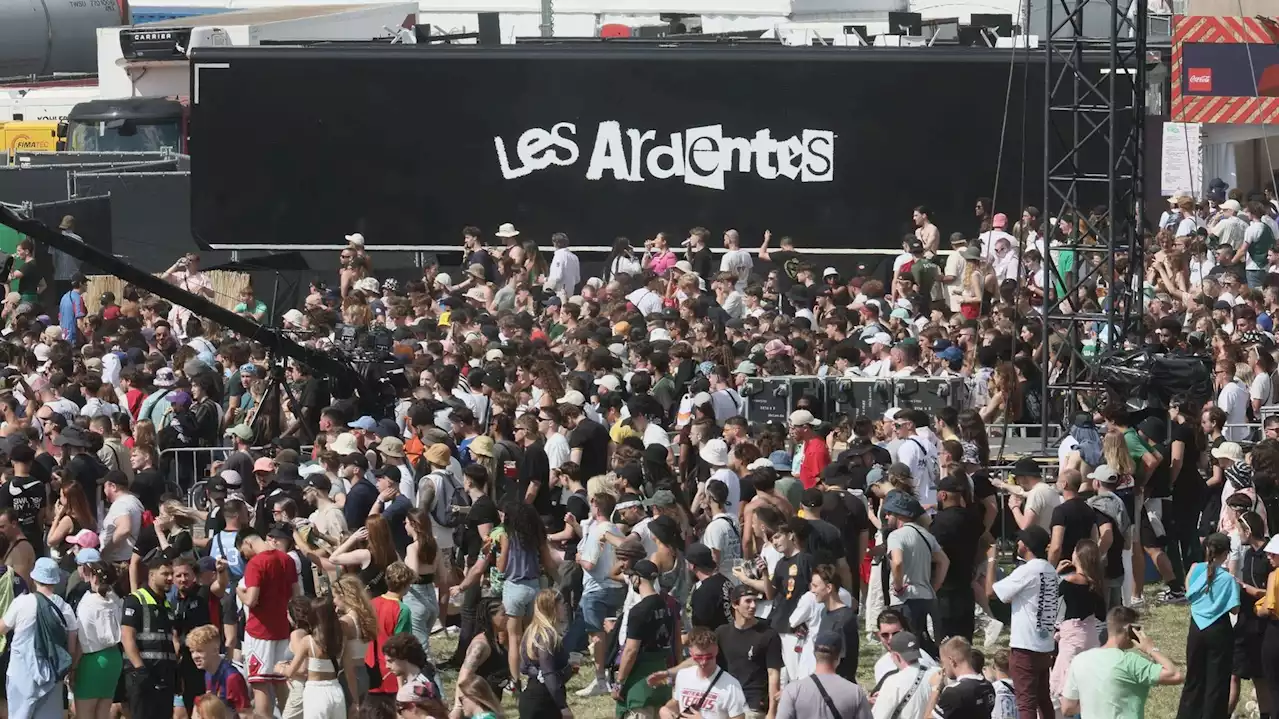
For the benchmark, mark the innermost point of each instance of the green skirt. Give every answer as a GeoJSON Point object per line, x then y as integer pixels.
{"type": "Point", "coordinates": [636, 692]}
{"type": "Point", "coordinates": [98, 673]}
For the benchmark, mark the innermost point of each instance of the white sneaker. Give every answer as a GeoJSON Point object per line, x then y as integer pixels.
{"type": "Point", "coordinates": [437, 627]}
{"type": "Point", "coordinates": [597, 687]}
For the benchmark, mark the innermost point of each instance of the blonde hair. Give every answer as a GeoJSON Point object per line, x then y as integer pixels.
{"type": "Point", "coordinates": [543, 633]}
{"type": "Point", "coordinates": [601, 484]}
{"type": "Point", "coordinates": [203, 635]}
{"type": "Point", "coordinates": [352, 593]}
{"type": "Point", "coordinates": [1116, 454]}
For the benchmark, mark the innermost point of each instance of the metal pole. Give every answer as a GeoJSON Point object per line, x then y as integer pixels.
{"type": "Point", "coordinates": [548, 25]}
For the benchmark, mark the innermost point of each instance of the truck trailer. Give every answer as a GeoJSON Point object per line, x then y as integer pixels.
{"type": "Point", "coordinates": [833, 146]}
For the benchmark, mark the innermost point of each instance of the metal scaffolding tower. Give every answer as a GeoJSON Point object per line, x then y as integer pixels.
{"type": "Point", "coordinates": [1096, 246]}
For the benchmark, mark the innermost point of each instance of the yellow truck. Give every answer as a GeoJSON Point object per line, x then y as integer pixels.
{"type": "Point", "coordinates": [36, 136]}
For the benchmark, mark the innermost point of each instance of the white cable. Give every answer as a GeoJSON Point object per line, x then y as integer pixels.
{"type": "Point", "coordinates": [1253, 73]}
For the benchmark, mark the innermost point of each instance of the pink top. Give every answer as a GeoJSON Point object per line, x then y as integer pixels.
{"type": "Point", "coordinates": [662, 261]}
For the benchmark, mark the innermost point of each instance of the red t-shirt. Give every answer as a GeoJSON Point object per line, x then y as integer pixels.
{"type": "Point", "coordinates": [816, 459]}
{"type": "Point", "coordinates": [386, 612]}
{"type": "Point", "coordinates": [274, 573]}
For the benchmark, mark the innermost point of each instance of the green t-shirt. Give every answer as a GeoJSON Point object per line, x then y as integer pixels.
{"type": "Point", "coordinates": [1136, 446]}
{"type": "Point", "coordinates": [1111, 683]}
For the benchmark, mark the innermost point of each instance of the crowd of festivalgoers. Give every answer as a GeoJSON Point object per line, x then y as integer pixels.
{"type": "Point", "coordinates": [570, 485]}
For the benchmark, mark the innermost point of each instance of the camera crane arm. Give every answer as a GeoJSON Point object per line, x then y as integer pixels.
{"type": "Point", "coordinates": [273, 340]}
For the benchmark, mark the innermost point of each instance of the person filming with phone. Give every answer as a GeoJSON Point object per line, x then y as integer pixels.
{"type": "Point", "coordinates": [1112, 680]}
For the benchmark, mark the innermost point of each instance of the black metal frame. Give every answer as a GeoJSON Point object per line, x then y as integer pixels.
{"type": "Point", "coordinates": [1080, 112]}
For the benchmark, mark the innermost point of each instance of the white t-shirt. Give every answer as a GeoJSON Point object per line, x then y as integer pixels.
{"type": "Point", "coordinates": [1032, 591]}
{"type": "Point", "coordinates": [654, 434]}
{"type": "Point", "coordinates": [1262, 388]}
{"type": "Point", "coordinates": [722, 534]}
{"type": "Point", "coordinates": [903, 685]}
{"type": "Point", "coordinates": [1006, 706]}
{"type": "Point", "coordinates": [646, 300]}
{"type": "Point", "coordinates": [591, 550]}
{"type": "Point", "coordinates": [723, 700]}
{"type": "Point", "coordinates": [738, 262]}
{"type": "Point", "coordinates": [557, 449]}
{"type": "Point", "coordinates": [989, 243]}
{"type": "Point", "coordinates": [641, 530]}
{"type": "Point", "coordinates": [1043, 499]}
{"type": "Point", "coordinates": [915, 452]}
{"type": "Point", "coordinates": [731, 481]}
{"type": "Point", "coordinates": [1234, 400]}
{"type": "Point", "coordinates": [126, 504]}
{"type": "Point", "coordinates": [885, 665]}
{"type": "Point", "coordinates": [20, 617]}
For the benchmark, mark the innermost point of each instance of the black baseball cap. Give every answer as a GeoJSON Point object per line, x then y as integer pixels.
{"type": "Point", "coordinates": [1036, 539]}
{"type": "Point", "coordinates": [1027, 467]}
{"type": "Point", "coordinates": [812, 498]}
{"type": "Point", "coordinates": [320, 482]}
{"type": "Point", "coordinates": [645, 569]}
{"type": "Point", "coordinates": [951, 483]}
{"type": "Point", "coordinates": [699, 555]}
{"type": "Point", "coordinates": [738, 592]}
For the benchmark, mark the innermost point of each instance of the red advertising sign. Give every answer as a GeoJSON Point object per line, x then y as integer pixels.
{"type": "Point", "coordinates": [1225, 71]}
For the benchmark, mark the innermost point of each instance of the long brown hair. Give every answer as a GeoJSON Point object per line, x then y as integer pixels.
{"type": "Point", "coordinates": [1089, 564]}
{"type": "Point", "coordinates": [382, 551]}
{"type": "Point", "coordinates": [326, 630]}
{"type": "Point", "coordinates": [420, 520]}
{"type": "Point", "coordinates": [74, 500]}
{"type": "Point", "coordinates": [477, 689]}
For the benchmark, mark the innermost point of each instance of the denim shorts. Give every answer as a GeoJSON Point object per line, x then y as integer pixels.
{"type": "Point", "coordinates": [600, 605]}
{"type": "Point", "coordinates": [518, 596]}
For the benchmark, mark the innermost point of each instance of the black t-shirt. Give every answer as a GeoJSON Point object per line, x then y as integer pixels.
{"type": "Point", "coordinates": [483, 511]}
{"type": "Point", "coordinates": [651, 621]}
{"type": "Point", "coordinates": [593, 439]}
{"type": "Point", "coordinates": [536, 468]}
{"type": "Point", "coordinates": [313, 396]}
{"type": "Point", "coordinates": [27, 497]}
{"type": "Point", "coordinates": [982, 487]}
{"type": "Point", "coordinates": [791, 578]}
{"type": "Point", "coordinates": [970, 697]}
{"type": "Point", "coordinates": [748, 655]}
{"type": "Point", "coordinates": [87, 469]}
{"type": "Point", "coordinates": [1115, 553]}
{"type": "Point", "coordinates": [848, 513]}
{"type": "Point", "coordinates": [148, 487]}
{"type": "Point", "coordinates": [1158, 483]}
{"type": "Point", "coordinates": [788, 263]}
{"type": "Point", "coordinates": [958, 530]}
{"type": "Point", "coordinates": [825, 543]}
{"type": "Point", "coordinates": [1077, 519]}
{"type": "Point", "coordinates": [1189, 487]}
{"type": "Point", "coordinates": [577, 505]}
{"type": "Point", "coordinates": [709, 602]}
{"type": "Point", "coordinates": [703, 263]}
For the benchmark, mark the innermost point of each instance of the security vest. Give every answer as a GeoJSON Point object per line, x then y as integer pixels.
{"type": "Point", "coordinates": [155, 643]}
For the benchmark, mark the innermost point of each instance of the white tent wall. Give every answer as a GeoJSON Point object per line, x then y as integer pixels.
{"type": "Point", "coordinates": [1244, 156]}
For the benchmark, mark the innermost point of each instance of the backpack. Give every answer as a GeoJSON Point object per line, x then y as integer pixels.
{"type": "Point", "coordinates": [51, 637]}
{"type": "Point", "coordinates": [447, 496]}
{"type": "Point", "coordinates": [1258, 248]}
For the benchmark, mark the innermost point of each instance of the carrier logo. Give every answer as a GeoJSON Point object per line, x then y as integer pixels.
{"type": "Point", "coordinates": [700, 155]}
{"type": "Point", "coordinates": [1200, 79]}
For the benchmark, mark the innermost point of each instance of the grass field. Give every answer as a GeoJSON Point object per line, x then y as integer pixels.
{"type": "Point", "coordinates": [1166, 624]}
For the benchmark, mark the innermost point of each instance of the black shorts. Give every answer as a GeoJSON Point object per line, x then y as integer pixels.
{"type": "Point", "coordinates": [1147, 534]}
{"type": "Point", "coordinates": [1246, 660]}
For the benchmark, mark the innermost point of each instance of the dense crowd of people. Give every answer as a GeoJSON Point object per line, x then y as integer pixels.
{"type": "Point", "coordinates": [569, 484]}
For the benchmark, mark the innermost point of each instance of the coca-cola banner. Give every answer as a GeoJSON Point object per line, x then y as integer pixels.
{"type": "Point", "coordinates": [298, 147]}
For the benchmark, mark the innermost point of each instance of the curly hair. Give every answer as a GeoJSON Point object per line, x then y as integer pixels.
{"type": "Point", "coordinates": [524, 525]}
{"type": "Point", "coordinates": [405, 647]}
